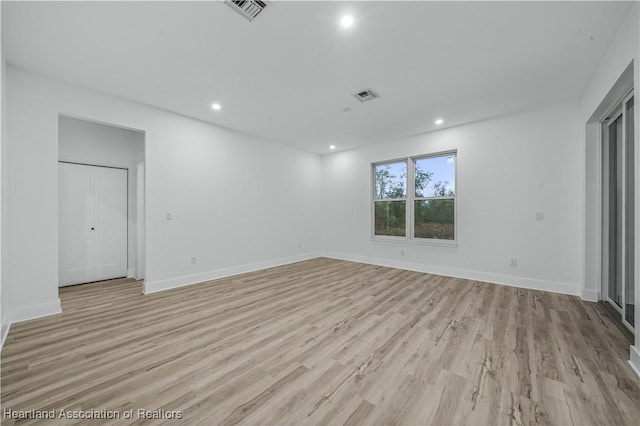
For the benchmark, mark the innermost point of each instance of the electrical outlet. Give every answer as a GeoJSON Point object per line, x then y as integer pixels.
{"type": "Point", "coordinates": [539, 216]}
{"type": "Point", "coordinates": [513, 262]}
{"type": "Point", "coordinates": [401, 252]}
{"type": "Point", "coordinates": [168, 216]}
{"type": "Point", "coordinates": [299, 245]}
{"type": "Point", "coordinates": [193, 260]}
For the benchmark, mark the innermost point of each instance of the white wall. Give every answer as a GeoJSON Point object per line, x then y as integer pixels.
{"type": "Point", "coordinates": [635, 350]}
{"type": "Point", "coordinates": [238, 202]}
{"type": "Point", "coordinates": [4, 326]}
{"type": "Point", "coordinates": [86, 142]}
{"type": "Point", "coordinates": [508, 169]}
{"type": "Point", "coordinates": [601, 91]}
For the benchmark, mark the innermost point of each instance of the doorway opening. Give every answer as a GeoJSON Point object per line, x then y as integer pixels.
{"type": "Point", "coordinates": [101, 202]}
{"type": "Point", "coordinates": [618, 215]}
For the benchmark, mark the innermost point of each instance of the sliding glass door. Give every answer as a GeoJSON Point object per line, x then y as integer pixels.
{"type": "Point", "coordinates": [618, 211]}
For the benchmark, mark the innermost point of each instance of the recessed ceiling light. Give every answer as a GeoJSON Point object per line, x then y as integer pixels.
{"type": "Point", "coordinates": [332, 147]}
{"type": "Point", "coordinates": [346, 21]}
{"type": "Point", "coordinates": [217, 107]}
{"type": "Point", "coordinates": [439, 121]}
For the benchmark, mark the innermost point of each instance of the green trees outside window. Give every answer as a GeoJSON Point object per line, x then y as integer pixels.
{"type": "Point", "coordinates": [390, 198]}
{"type": "Point", "coordinates": [428, 186]}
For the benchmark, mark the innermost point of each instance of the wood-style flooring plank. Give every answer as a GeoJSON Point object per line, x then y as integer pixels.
{"type": "Point", "coordinates": [322, 342]}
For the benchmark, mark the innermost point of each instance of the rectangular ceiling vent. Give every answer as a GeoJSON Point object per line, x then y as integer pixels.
{"type": "Point", "coordinates": [366, 95]}
{"type": "Point", "coordinates": [247, 8]}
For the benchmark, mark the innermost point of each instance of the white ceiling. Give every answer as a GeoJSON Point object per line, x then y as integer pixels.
{"type": "Point", "coordinates": [287, 75]}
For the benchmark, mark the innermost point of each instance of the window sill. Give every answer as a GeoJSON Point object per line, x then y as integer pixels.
{"type": "Point", "coordinates": [424, 242]}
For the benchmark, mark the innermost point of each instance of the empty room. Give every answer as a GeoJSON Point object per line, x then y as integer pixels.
{"type": "Point", "coordinates": [320, 213]}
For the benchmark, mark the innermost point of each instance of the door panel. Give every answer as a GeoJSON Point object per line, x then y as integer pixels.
{"type": "Point", "coordinates": [93, 223]}
{"type": "Point", "coordinates": [76, 210]}
{"type": "Point", "coordinates": [618, 214]}
{"type": "Point", "coordinates": [111, 223]}
{"type": "Point", "coordinates": [629, 208]}
{"type": "Point", "coordinates": [615, 210]}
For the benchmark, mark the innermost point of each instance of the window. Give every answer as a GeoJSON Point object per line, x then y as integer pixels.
{"type": "Point", "coordinates": [390, 198]}
{"type": "Point", "coordinates": [415, 198]}
{"type": "Point", "coordinates": [435, 197]}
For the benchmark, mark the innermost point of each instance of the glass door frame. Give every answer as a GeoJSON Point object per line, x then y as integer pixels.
{"type": "Point", "coordinates": [621, 209]}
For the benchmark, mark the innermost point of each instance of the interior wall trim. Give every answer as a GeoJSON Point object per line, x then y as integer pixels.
{"type": "Point", "coordinates": [30, 312]}
{"type": "Point", "coordinates": [156, 286]}
{"type": "Point", "coordinates": [509, 280]}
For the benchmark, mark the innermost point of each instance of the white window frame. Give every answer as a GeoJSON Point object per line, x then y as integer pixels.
{"type": "Point", "coordinates": [374, 200]}
{"type": "Point", "coordinates": [410, 200]}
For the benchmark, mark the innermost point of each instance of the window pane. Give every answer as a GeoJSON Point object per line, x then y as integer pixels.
{"type": "Point", "coordinates": [390, 180]}
{"type": "Point", "coordinates": [390, 218]}
{"type": "Point", "coordinates": [435, 176]}
{"type": "Point", "coordinates": [434, 219]}
{"type": "Point", "coordinates": [629, 288]}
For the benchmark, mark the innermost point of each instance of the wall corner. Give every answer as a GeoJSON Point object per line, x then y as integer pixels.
{"type": "Point", "coordinates": [589, 295]}
{"type": "Point", "coordinates": [634, 359]}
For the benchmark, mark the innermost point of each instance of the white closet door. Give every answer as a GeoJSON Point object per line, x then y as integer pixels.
{"type": "Point", "coordinates": [111, 223]}
{"type": "Point", "coordinates": [93, 223]}
{"type": "Point", "coordinates": [76, 210]}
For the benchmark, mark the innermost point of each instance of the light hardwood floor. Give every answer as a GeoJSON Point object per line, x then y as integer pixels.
{"type": "Point", "coordinates": [325, 342]}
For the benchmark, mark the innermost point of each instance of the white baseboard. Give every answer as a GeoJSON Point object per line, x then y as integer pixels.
{"type": "Point", "coordinates": [131, 273]}
{"type": "Point", "coordinates": [589, 295]}
{"type": "Point", "coordinates": [26, 313]}
{"type": "Point", "coordinates": [634, 359]}
{"type": "Point", "coordinates": [30, 312]}
{"type": "Point", "coordinates": [509, 280]}
{"type": "Point", "coordinates": [6, 326]}
{"type": "Point", "coordinates": [156, 286]}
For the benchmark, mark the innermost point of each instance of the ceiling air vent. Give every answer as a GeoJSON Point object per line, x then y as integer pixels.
{"type": "Point", "coordinates": [366, 95]}
{"type": "Point", "coordinates": [247, 8]}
